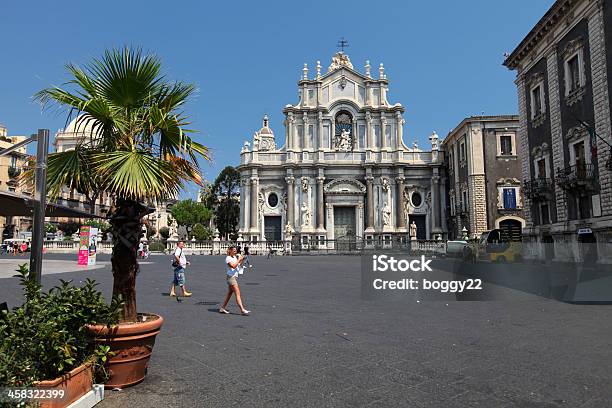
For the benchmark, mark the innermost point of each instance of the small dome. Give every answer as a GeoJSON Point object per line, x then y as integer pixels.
{"type": "Point", "coordinates": [78, 125]}
{"type": "Point", "coordinates": [265, 130]}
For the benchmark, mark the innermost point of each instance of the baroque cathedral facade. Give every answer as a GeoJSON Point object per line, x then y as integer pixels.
{"type": "Point", "coordinates": [344, 172]}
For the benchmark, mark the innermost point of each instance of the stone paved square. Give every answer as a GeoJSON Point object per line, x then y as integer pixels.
{"type": "Point", "coordinates": [312, 341]}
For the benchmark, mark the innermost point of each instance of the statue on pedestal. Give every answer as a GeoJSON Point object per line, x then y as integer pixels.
{"type": "Point", "coordinates": [413, 231]}
{"type": "Point", "coordinates": [386, 213]}
{"type": "Point", "coordinates": [305, 215]}
{"type": "Point", "coordinates": [343, 142]}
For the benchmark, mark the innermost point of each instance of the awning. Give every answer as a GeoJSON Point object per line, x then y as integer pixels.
{"type": "Point", "coordinates": [12, 204]}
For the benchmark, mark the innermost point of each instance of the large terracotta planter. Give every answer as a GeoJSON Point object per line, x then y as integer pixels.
{"type": "Point", "coordinates": [75, 384]}
{"type": "Point", "coordinates": [132, 344]}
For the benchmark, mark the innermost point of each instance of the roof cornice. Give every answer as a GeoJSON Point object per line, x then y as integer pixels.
{"type": "Point", "coordinates": [556, 12]}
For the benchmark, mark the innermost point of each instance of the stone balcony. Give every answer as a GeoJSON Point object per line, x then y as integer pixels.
{"type": "Point", "coordinates": [538, 189]}
{"type": "Point", "coordinates": [329, 156]}
{"type": "Point", "coordinates": [582, 178]}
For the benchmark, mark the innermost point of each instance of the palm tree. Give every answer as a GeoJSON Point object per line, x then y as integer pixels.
{"type": "Point", "coordinates": [138, 151]}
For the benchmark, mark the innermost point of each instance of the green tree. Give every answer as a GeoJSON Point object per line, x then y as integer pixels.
{"type": "Point", "coordinates": [151, 231]}
{"type": "Point", "coordinates": [225, 199]}
{"type": "Point", "coordinates": [201, 233]}
{"type": "Point", "coordinates": [69, 227]}
{"type": "Point", "coordinates": [189, 213]}
{"type": "Point", "coordinates": [50, 228]}
{"type": "Point", "coordinates": [139, 150]}
{"type": "Point", "coordinates": [102, 226]}
{"type": "Point", "coordinates": [164, 232]}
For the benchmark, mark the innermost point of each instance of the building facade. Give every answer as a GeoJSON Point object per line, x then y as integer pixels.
{"type": "Point", "coordinates": [562, 67]}
{"type": "Point", "coordinates": [344, 172]}
{"type": "Point", "coordinates": [484, 173]}
{"type": "Point", "coordinates": [11, 166]}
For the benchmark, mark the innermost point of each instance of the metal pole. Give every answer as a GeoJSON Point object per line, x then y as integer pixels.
{"type": "Point", "coordinates": [40, 204]}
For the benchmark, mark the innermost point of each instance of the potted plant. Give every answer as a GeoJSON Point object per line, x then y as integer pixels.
{"type": "Point", "coordinates": [136, 150]}
{"type": "Point", "coordinates": [45, 343]}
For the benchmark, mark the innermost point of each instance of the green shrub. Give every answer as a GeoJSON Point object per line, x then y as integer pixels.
{"type": "Point", "coordinates": [157, 246]}
{"type": "Point", "coordinates": [164, 232]}
{"type": "Point", "coordinates": [46, 336]}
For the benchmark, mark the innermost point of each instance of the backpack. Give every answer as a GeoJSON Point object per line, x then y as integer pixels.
{"type": "Point", "coordinates": [175, 263]}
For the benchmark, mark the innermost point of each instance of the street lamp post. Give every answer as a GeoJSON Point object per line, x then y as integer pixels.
{"type": "Point", "coordinates": [40, 204]}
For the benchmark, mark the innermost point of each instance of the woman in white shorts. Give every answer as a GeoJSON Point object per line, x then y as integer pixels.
{"type": "Point", "coordinates": [233, 265]}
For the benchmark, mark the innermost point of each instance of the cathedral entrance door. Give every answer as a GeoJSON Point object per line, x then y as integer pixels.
{"type": "Point", "coordinates": [344, 227]}
{"type": "Point", "coordinates": [272, 228]}
{"type": "Point", "coordinates": [420, 222]}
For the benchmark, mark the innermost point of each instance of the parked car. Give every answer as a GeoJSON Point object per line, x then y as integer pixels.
{"type": "Point", "coordinates": [496, 246]}
{"type": "Point", "coordinates": [455, 249]}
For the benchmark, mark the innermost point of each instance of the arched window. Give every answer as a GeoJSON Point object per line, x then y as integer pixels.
{"type": "Point", "coordinates": [344, 125]}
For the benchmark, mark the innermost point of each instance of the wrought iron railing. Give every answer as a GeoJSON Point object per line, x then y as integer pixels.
{"type": "Point", "coordinates": [460, 208]}
{"type": "Point", "coordinates": [578, 177]}
{"type": "Point", "coordinates": [538, 188]}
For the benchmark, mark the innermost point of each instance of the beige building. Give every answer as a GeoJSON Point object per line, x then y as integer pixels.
{"type": "Point", "coordinates": [11, 166]}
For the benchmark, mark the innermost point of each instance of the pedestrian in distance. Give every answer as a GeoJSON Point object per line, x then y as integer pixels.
{"type": "Point", "coordinates": [247, 257]}
{"type": "Point", "coordinates": [233, 265]}
{"type": "Point", "coordinates": [179, 263]}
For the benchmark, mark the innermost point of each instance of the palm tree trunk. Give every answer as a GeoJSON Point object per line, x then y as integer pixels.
{"type": "Point", "coordinates": [126, 224]}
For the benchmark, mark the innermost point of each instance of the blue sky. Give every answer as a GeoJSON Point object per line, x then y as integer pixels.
{"type": "Point", "coordinates": [442, 58]}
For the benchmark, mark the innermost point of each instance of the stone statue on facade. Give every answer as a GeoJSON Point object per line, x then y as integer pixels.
{"type": "Point", "coordinates": [288, 231]}
{"type": "Point", "coordinates": [386, 213]}
{"type": "Point", "coordinates": [344, 141]}
{"type": "Point", "coordinates": [340, 60]}
{"type": "Point", "coordinates": [385, 184]}
{"type": "Point", "coordinates": [305, 215]}
{"type": "Point", "coordinates": [304, 184]}
{"type": "Point", "coordinates": [413, 231]}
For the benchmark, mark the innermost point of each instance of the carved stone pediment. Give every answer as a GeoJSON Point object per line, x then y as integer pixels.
{"type": "Point", "coordinates": [344, 186]}
{"type": "Point", "coordinates": [535, 78]}
{"type": "Point", "coordinates": [508, 181]}
{"type": "Point", "coordinates": [540, 151]}
{"type": "Point", "coordinates": [572, 46]}
{"type": "Point", "coordinates": [575, 133]}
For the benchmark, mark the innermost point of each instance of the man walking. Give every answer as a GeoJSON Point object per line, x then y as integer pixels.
{"type": "Point", "coordinates": [179, 263]}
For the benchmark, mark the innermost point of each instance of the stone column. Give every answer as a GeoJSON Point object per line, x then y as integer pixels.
{"type": "Point", "coordinates": [435, 201]}
{"type": "Point", "coordinates": [369, 132]}
{"type": "Point", "coordinates": [400, 130]}
{"type": "Point", "coordinates": [290, 201]}
{"type": "Point", "coordinates": [320, 129]}
{"type": "Point", "coordinates": [320, 210]}
{"type": "Point", "coordinates": [247, 201]}
{"type": "Point", "coordinates": [383, 131]}
{"type": "Point", "coordinates": [306, 143]}
{"type": "Point", "coordinates": [242, 207]}
{"type": "Point", "coordinates": [290, 131]}
{"type": "Point", "coordinates": [254, 197]}
{"type": "Point", "coordinates": [370, 194]}
{"type": "Point", "coordinates": [401, 221]}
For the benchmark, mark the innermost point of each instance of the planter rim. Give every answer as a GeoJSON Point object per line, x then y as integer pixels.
{"type": "Point", "coordinates": [127, 329]}
{"type": "Point", "coordinates": [58, 380]}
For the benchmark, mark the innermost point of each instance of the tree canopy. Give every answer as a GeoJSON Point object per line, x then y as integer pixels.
{"type": "Point", "coordinates": [189, 212]}
{"type": "Point", "coordinates": [224, 198]}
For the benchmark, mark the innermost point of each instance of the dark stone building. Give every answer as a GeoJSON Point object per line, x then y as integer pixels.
{"type": "Point", "coordinates": [562, 68]}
